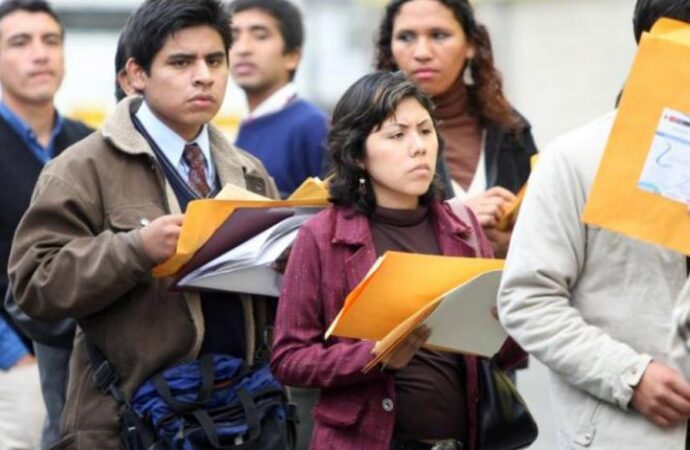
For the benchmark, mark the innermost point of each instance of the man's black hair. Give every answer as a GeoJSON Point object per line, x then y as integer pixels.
{"type": "Point", "coordinates": [286, 14]}
{"type": "Point", "coordinates": [647, 12]}
{"type": "Point", "coordinates": [155, 21]}
{"type": "Point", "coordinates": [33, 6]}
{"type": "Point", "coordinates": [121, 57]}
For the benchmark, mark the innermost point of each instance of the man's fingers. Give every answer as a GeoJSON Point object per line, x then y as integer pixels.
{"type": "Point", "coordinates": [680, 387]}
{"type": "Point", "coordinates": [678, 403]}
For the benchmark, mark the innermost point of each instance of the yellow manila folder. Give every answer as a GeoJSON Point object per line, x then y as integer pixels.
{"type": "Point", "coordinates": [510, 212]}
{"type": "Point", "coordinates": [643, 183]}
{"type": "Point", "coordinates": [203, 217]}
{"type": "Point", "coordinates": [403, 290]}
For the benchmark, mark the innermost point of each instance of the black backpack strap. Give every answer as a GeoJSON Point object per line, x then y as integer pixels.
{"type": "Point", "coordinates": [134, 434]}
{"type": "Point", "coordinates": [264, 316]}
{"type": "Point", "coordinates": [106, 379]}
{"type": "Point", "coordinates": [203, 396]}
{"type": "Point", "coordinates": [251, 414]}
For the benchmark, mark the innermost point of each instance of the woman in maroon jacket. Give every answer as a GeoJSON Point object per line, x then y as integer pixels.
{"type": "Point", "coordinates": [384, 144]}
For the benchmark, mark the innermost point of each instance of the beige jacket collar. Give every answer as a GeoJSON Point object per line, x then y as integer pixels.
{"type": "Point", "coordinates": [119, 130]}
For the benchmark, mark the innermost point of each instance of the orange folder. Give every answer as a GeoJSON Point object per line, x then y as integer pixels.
{"type": "Point", "coordinates": [511, 211]}
{"type": "Point", "coordinates": [403, 288]}
{"type": "Point", "coordinates": [203, 217]}
{"type": "Point", "coordinates": [658, 80]}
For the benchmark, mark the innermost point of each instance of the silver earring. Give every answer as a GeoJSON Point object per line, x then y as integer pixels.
{"type": "Point", "coordinates": [362, 186]}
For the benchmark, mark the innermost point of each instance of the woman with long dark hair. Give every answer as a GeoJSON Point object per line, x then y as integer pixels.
{"type": "Point", "coordinates": [442, 48]}
{"type": "Point", "coordinates": [383, 144]}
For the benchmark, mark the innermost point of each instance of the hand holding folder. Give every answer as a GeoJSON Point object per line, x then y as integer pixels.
{"type": "Point", "coordinates": [453, 296]}
{"type": "Point", "coordinates": [204, 217]}
{"type": "Point", "coordinates": [510, 211]}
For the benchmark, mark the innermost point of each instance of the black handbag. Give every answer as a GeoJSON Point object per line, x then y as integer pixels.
{"type": "Point", "coordinates": [505, 422]}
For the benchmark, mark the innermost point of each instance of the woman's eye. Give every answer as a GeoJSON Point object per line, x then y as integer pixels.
{"type": "Point", "coordinates": [405, 37]}
{"type": "Point", "coordinates": [440, 35]}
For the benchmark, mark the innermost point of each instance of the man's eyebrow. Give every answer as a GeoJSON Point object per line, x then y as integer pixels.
{"type": "Point", "coordinates": [17, 36]}
{"type": "Point", "coordinates": [181, 55]}
{"type": "Point", "coordinates": [190, 56]}
{"type": "Point", "coordinates": [252, 27]}
{"type": "Point", "coordinates": [216, 54]}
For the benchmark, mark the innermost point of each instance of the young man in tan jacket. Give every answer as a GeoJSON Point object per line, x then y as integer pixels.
{"type": "Point", "coordinates": [106, 212]}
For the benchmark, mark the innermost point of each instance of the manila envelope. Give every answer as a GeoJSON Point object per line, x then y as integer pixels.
{"type": "Point", "coordinates": [399, 285]}
{"type": "Point", "coordinates": [658, 83]}
{"type": "Point", "coordinates": [204, 217]}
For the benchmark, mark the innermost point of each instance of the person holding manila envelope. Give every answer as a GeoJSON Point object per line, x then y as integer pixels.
{"type": "Point", "coordinates": [593, 278]}
{"type": "Point", "coordinates": [384, 143]}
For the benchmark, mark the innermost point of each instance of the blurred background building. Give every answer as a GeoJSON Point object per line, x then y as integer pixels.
{"type": "Point", "coordinates": [563, 61]}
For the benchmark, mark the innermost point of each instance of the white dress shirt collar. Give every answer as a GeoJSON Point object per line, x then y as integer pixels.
{"type": "Point", "coordinates": [277, 101]}
{"type": "Point", "coordinates": [172, 144]}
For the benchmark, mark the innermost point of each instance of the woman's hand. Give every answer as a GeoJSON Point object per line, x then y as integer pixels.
{"type": "Point", "coordinates": [499, 240]}
{"type": "Point", "coordinates": [402, 355]}
{"type": "Point", "coordinates": [489, 205]}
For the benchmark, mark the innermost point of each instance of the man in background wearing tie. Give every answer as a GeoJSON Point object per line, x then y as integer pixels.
{"type": "Point", "coordinates": [106, 212]}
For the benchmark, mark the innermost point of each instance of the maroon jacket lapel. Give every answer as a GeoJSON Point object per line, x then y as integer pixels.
{"type": "Point", "coordinates": [352, 229]}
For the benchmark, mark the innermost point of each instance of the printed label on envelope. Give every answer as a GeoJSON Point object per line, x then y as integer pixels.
{"type": "Point", "coordinates": [666, 171]}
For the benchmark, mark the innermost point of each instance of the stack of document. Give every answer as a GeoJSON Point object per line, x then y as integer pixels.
{"type": "Point", "coordinates": [452, 296]}
{"type": "Point", "coordinates": [207, 223]}
{"type": "Point", "coordinates": [247, 268]}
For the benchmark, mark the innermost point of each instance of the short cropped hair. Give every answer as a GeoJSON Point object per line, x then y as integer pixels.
{"type": "Point", "coordinates": [285, 13]}
{"type": "Point", "coordinates": [121, 57]}
{"type": "Point", "coordinates": [361, 110]}
{"type": "Point", "coordinates": [8, 7]}
{"type": "Point", "coordinates": [155, 21]}
{"type": "Point", "coordinates": [647, 12]}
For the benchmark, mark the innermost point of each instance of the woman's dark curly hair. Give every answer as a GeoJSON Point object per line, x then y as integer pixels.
{"type": "Point", "coordinates": [361, 110]}
{"type": "Point", "coordinates": [487, 100]}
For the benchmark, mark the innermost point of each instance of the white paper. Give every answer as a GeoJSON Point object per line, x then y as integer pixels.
{"type": "Point", "coordinates": [247, 267]}
{"type": "Point", "coordinates": [666, 171]}
{"type": "Point", "coordinates": [463, 321]}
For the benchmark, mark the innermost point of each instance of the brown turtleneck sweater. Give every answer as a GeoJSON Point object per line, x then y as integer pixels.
{"type": "Point", "coordinates": [430, 390]}
{"type": "Point", "coordinates": [462, 133]}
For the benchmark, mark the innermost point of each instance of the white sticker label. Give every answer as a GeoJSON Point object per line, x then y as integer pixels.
{"type": "Point", "coordinates": [667, 169]}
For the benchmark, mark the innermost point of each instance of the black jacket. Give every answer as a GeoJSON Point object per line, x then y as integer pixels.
{"type": "Point", "coordinates": [19, 170]}
{"type": "Point", "coordinates": [507, 158]}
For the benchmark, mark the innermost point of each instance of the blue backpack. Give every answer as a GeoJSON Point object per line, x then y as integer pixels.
{"type": "Point", "coordinates": [217, 402]}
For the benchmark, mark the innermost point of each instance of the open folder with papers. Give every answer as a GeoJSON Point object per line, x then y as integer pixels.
{"type": "Point", "coordinates": [204, 217]}
{"type": "Point", "coordinates": [453, 296]}
{"type": "Point", "coordinates": [247, 268]}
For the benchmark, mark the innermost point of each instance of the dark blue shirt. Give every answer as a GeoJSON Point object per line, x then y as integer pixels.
{"type": "Point", "coordinates": [290, 143]}
{"type": "Point", "coordinates": [43, 154]}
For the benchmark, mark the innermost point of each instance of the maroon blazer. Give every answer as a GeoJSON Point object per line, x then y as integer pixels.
{"type": "Point", "coordinates": [332, 254]}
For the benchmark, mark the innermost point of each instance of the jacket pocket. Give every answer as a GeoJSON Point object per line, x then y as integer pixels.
{"type": "Point", "coordinates": [340, 409]}
{"type": "Point", "coordinates": [128, 218]}
{"type": "Point", "coordinates": [585, 430]}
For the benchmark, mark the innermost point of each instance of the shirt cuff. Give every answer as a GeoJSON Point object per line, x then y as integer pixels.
{"type": "Point", "coordinates": [629, 378]}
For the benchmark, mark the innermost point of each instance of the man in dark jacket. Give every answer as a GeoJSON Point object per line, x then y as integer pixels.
{"type": "Point", "coordinates": [31, 133]}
